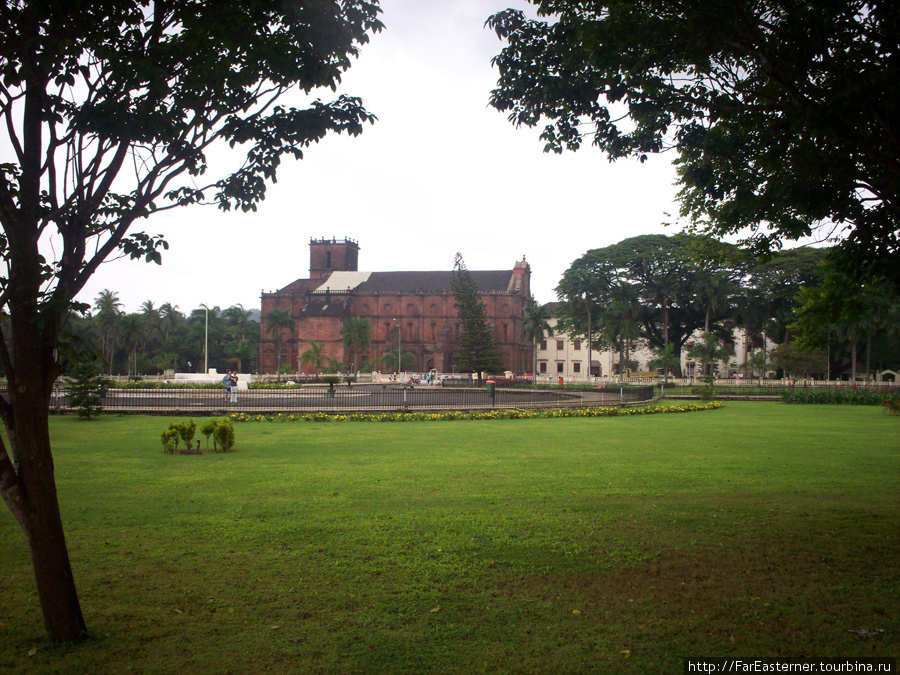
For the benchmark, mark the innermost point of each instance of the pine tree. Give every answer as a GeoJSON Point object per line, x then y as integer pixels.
{"type": "Point", "coordinates": [477, 352]}
{"type": "Point", "coordinates": [87, 387]}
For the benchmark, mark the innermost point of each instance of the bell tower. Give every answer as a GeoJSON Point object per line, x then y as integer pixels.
{"type": "Point", "coordinates": [332, 255]}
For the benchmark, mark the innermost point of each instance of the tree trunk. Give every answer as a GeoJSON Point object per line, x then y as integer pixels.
{"type": "Point", "coordinates": [31, 495]}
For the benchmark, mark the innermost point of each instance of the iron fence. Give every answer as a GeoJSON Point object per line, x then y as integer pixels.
{"type": "Point", "coordinates": [341, 398]}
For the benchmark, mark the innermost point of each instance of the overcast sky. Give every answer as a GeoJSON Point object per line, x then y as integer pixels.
{"type": "Point", "coordinates": [439, 172]}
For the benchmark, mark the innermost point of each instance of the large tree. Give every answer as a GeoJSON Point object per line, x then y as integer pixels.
{"type": "Point", "coordinates": [783, 116]}
{"type": "Point", "coordinates": [110, 112]}
{"type": "Point", "coordinates": [647, 287]}
{"type": "Point", "coordinates": [477, 350]}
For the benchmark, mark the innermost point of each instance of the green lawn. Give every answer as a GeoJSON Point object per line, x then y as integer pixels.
{"type": "Point", "coordinates": [536, 546]}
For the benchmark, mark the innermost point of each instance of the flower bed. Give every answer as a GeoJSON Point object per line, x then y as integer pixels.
{"type": "Point", "coordinates": [512, 414]}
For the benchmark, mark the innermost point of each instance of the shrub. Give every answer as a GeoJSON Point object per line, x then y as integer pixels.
{"type": "Point", "coordinates": [186, 431]}
{"type": "Point", "coordinates": [208, 429]}
{"type": "Point", "coordinates": [224, 434]}
{"type": "Point", "coordinates": [169, 440]}
{"type": "Point", "coordinates": [87, 387]}
{"type": "Point", "coordinates": [851, 395]}
{"type": "Point", "coordinates": [178, 431]}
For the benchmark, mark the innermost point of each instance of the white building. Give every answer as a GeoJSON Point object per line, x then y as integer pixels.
{"type": "Point", "coordinates": [564, 356]}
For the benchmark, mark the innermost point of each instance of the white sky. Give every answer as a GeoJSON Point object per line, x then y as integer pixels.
{"type": "Point", "coordinates": [439, 172]}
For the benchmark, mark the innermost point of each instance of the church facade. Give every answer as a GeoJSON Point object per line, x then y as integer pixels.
{"type": "Point", "coordinates": [413, 310]}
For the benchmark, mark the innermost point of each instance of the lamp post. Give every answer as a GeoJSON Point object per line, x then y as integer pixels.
{"type": "Point", "coordinates": [399, 345]}
{"type": "Point", "coordinates": [206, 340]}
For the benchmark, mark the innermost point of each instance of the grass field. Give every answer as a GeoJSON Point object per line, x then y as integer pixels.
{"type": "Point", "coordinates": [538, 546]}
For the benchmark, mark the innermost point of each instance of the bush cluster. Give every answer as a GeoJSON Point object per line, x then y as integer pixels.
{"type": "Point", "coordinates": [511, 414]}
{"type": "Point", "coordinates": [177, 432]}
{"type": "Point", "coordinates": [221, 430]}
{"type": "Point", "coordinates": [838, 395]}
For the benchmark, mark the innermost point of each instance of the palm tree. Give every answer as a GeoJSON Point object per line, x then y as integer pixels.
{"type": "Point", "coordinates": [579, 285]}
{"type": "Point", "coordinates": [277, 321]}
{"type": "Point", "coordinates": [665, 359]}
{"type": "Point", "coordinates": [758, 364]}
{"type": "Point", "coordinates": [108, 309]}
{"type": "Point", "coordinates": [314, 356]}
{"type": "Point", "coordinates": [238, 328]}
{"type": "Point", "coordinates": [170, 318]}
{"type": "Point", "coordinates": [133, 334]}
{"type": "Point", "coordinates": [713, 290]}
{"type": "Point", "coordinates": [355, 332]}
{"type": "Point", "coordinates": [535, 324]}
{"type": "Point", "coordinates": [620, 320]}
{"type": "Point", "coordinates": [707, 350]}
{"type": "Point", "coordinates": [407, 360]}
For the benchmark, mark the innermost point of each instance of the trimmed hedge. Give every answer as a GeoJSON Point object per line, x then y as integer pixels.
{"type": "Point", "coordinates": [837, 396]}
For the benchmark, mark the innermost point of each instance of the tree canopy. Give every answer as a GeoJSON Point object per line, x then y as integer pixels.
{"type": "Point", "coordinates": [111, 112]}
{"type": "Point", "coordinates": [783, 117]}
{"type": "Point", "coordinates": [662, 289]}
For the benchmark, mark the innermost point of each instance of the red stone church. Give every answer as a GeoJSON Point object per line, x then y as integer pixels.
{"type": "Point", "coordinates": [415, 307]}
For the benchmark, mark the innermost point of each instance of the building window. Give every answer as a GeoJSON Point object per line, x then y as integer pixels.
{"type": "Point", "coordinates": [328, 260]}
{"type": "Point", "coordinates": [542, 366]}
{"type": "Point", "coordinates": [577, 345]}
{"type": "Point", "coordinates": [544, 345]}
{"type": "Point", "coordinates": [576, 367]}
{"type": "Point", "coordinates": [434, 331]}
{"type": "Point", "coordinates": [559, 366]}
{"type": "Point", "coordinates": [387, 308]}
{"type": "Point", "coordinates": [505, 332]}
{"type": "Point", "coordinates": [560, 345]}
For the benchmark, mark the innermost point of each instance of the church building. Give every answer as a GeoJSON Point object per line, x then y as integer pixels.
{"type": "Point", "coordinates": [413, 309]}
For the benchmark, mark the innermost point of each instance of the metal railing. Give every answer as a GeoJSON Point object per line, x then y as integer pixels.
{"type": "Point", "coordinates": [357, 398]}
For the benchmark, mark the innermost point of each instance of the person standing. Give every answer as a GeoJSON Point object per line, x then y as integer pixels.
{"type": "Point", "coordinates": [226, 380]}
{"type": "Point", "coordinates": [234, 387]}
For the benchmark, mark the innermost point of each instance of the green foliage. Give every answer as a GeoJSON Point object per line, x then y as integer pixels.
{"type": "Point", "coordinates": [356, 337]}
{"type": "Point", "coordinates": [850, 395]}
{"type": "Point", "coordinates": [277, 321]}
{"type": "Point", "coordinates": [477, 351]}
{"type": "Point", "coordinates": [799, 362]}
{"type": "Point", "coordinates": [314, 356]}
{"type": "Point", "coordinates": [655, 288]}
{"type": "Point", "coordinates": [86, 387]}
{"type": "Point", "coordinates": [721, 86]}
{"type": "Point", "coordinates": [170, 438]}
{"type": "Point", "coordinates": [224, 434]}
{"type": "Point", "coordinates": [208, 429]}
{"type": "Point", "coordinates": [398, 361]}
{"type": "Point", "coordinates": [707, 350]}
{"type": "Point", "coordinates": [179, 431]}
{"type": "Point", "coordinates": [221, 430]}
{"type": "Point", "coordinates": [665, 359]}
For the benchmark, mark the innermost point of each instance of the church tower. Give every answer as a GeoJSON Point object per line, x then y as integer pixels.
{"type": "Point", "coordinates": [332, 255]}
